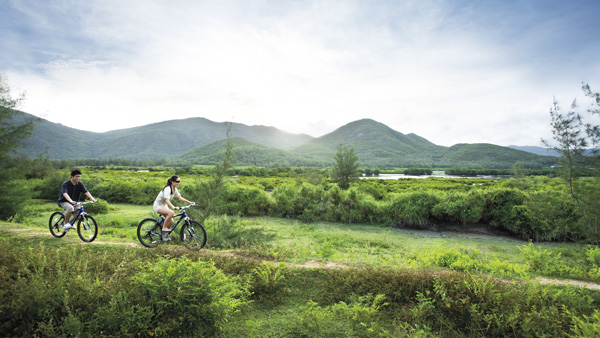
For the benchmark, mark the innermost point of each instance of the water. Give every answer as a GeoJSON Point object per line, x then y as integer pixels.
{"type": "Point", "coordinates": [439, 173]}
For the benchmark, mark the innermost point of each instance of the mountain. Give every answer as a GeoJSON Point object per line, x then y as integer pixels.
{"type": "Point", "coordinates": [552, 152]}
{"type": "Point", "coordinates": [487, 155]}
{"type": "Point", "coordinates": [245, 153]}
{"type": "Point", "coordinates": [537, 150]}
{"type": "Point", "coordinates": [158, 140]}
{"type": "Point", "coordinates": [374, 143]}
{"type": "Point", "coordinates": [201, 141]}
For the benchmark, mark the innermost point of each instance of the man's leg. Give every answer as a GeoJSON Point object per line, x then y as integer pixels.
{"type": "Point", "coordinates": [69, 209]}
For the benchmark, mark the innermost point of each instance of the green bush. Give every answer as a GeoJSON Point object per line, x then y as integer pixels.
{"type": "Point", "coordinates": [412, 209]}
{"type": "Point", "coordinates": [243, 200]}
{"type": "Point", "coordinates": [74, 291]}
{"type": "Point", "coordinates": [284, 196]}
{"type": "Point", "coordinates": [100, 207]}
{"type": "Point", "coordinates": [458, 259]}
{"type": "Point", "coordinates": [586, 326]}
{"type": "Point", "coordinates": [267, 280]}
{"type": "Point", "coordinates": [227, 232]}
{"type": "Point", "coordinates": [545, 262]}
{"type": "Point", "coordinates": [186, 297]}
{"type": "Point", "coordinates": [359, 318]}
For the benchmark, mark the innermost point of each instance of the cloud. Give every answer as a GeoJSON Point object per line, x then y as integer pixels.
{"type": "Point", "coordinates": [449, 71]}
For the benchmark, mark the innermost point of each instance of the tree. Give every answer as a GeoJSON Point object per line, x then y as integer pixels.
{"type": "Point", "coordinates": [11, 134]}
{"type": "Point", "coordinates": [345, 167]}
{"type": "Point", "coordinates": [207, 193]}
{"type": "Point", "coordinates": [577, 138]}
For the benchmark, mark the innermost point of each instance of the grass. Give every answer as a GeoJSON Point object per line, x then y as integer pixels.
{"type": "Point", "coordinates": [287, 300]}
{"type": "Point", "coordinates": [291, 241]}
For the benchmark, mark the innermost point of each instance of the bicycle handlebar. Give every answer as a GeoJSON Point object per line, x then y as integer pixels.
{"type": "Point", "coordinates": [187, 206]}
{"type": "Point", "coordinates": [84, 203]}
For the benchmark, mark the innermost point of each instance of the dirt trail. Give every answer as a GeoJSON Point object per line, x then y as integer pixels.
{"type": "Point", "coordinates": [312, 264]}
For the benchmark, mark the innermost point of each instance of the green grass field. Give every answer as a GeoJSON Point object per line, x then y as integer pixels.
{"type": "Point", "coordinates": [292, 241]}
{"type": "Point", "coordinates": [321, 279]}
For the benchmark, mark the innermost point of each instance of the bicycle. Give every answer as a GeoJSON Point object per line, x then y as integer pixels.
{"type": "Point", "coordinates": [193, 234]}
{"type": "Point", "coordinates": [87, 228]}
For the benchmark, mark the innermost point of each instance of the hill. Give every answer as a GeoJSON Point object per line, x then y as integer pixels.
{"type": "Point", "coordinates": [375, 144]}
{"type": "Point", "coordinates": [201, 141]}
{"type": "Point", "coordinates": [537, 150]}
{"type": "Point", "coordinates": [485, 155]}
{"type": "Point", "coordinates": [245, 153]}
{"type": "Point", "coordinates": [167, 139]}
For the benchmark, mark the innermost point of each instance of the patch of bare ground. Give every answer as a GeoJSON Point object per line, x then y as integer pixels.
{"type": "Point", "coordinates": [573, 282]}
{"type": "Point", "coordinates": [312, 264]}
{"type": "Point", "coordinates": [133, 245]}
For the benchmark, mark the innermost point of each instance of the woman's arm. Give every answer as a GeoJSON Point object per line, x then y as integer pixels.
{"type": "Point", "coordinates": [184, 200]}
{"type": "Point", "coordinates": [170, 205]}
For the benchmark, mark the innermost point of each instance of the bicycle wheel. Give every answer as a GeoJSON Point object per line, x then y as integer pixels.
{"type": "Point", "coordinates": [193, 235]}
{"type": "Point", "coordinates": [56, 223]}
{"type": "Point", "coordinates": [87, 228]}
{"type": "Point", "coordinates": [148, 232]}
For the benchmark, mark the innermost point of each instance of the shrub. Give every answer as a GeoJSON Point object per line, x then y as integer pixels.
{"type": "Point", "coordinates": [231, 232]}
{"type": "Point", "coordinates": [186, 297]}
{"type": "Point", "coordinates": [545, 262]}
{"type": "Point", "coordinates": [359, 318]}
{"type": "Point", "coordinates": [458, 259]}
{"type": "Point", "coordinates": [284, 196]}
{"type": "Point", "coordinates": [100, 207]}
{"type": "Point", "coordinates": [244, 200]}
{"type": "Point", "coordinates": [267, 279]}
{"type": "Point", "coordinates": [412, 209]}
{"type": "Point", "coordinates": [588, 326]}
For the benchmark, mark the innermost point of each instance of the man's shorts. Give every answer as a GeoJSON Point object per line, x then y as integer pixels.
{"type": "Point", "coordinates": [67, 206]}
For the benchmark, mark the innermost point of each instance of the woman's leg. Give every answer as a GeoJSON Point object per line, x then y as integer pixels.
{"type": "Point", "coordinates": [168, 214]}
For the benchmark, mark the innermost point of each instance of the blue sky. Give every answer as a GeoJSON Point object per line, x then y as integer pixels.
{"type": "Point", "coordinates": [449, 71]}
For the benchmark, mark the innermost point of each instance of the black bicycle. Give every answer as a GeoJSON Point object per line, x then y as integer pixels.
{"type": "Point", "coordinates": [193, 234]}
{"type": "Point", "coordinates": [87, 228]}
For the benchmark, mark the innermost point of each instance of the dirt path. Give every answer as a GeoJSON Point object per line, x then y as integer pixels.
{"type": "Point", "coordinates": [312, 264]}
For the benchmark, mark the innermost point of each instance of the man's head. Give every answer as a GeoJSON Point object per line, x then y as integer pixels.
{"type": "Point", "coordinates": [75, 175]}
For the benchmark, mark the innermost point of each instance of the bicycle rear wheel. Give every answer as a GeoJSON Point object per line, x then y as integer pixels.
{"type": "Point", "coordinates": [193, 235]}
{"type": "Point", "coordinates": [56, 223]}
{"type": "Point", "coordinates": [87, 228]}
{"type": "Point", "coordinates": [148, 232]}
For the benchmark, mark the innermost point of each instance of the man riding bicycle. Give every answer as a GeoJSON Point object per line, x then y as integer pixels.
{"type": "Point", "coordinates": [69, 195]}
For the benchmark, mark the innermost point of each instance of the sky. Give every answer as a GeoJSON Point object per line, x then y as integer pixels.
{"type": "Point", "coordinates": [451, 71]}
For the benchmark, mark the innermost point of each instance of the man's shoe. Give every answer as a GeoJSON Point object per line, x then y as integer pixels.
{"type": "Point", "coordinates": [69, 226]}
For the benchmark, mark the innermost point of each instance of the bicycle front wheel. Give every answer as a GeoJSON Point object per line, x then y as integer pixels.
{"type": "Point", "coordinates": [87, 228]}
{"type": "Point", "coordinates": [56, 223]}
{"type": "Point", "coordinates": [193, 235]}
{"type": "Point", "coordinates": [149, 232]}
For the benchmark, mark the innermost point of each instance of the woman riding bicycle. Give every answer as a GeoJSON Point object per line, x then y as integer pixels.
{"type": "Point", "coordinates": [163, 202]}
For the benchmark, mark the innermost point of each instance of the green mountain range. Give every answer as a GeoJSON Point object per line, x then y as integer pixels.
{"type": "Point", "coordinates": [201, 141]}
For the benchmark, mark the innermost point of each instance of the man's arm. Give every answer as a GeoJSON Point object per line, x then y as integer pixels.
{"type": "Point", "coordinates": [68, 198]}
{"type": "Point", "coordinates": [87, 193]}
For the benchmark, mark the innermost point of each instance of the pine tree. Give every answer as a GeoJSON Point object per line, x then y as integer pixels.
{"type": "Point", "coordinates": [345, 167]}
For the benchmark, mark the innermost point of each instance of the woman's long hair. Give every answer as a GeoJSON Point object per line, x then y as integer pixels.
{"type": "Point", "coordinates": [170, 182]}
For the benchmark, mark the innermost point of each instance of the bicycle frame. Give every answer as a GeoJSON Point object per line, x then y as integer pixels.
{"type": "Point", "coordinates": [182, 216]}
{"type": "Point", "coordinates": [78, 213]}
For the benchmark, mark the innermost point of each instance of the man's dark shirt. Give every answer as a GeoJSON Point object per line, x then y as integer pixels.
{"type": "Point", "coordinates": [72, 190]}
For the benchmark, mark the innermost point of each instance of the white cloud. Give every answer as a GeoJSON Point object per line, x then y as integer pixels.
{"type": "Point", "coordinates": [446, 72]}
